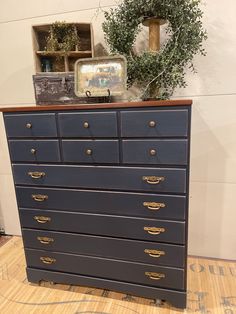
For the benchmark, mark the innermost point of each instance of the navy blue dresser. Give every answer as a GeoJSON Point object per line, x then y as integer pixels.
{"type": "Point", "coordinates": [102, 192]}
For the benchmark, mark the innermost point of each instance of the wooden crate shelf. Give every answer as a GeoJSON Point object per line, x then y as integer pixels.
{"type": "Point", "coordinates": [79, 54]}
{"type": "Point", "coordinates": [59, 62]}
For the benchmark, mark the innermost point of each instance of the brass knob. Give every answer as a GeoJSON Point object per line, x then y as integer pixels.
{"type": "Point", "coordinates": [86, 125]}
{"type": "Point", "coordinates": [29, 125]}
{"type": "Point", "coordinates": [89, 152]}
{"type": "Point", "coordinates": [152, 124]}
{"type": "Point", "coordinates": [152, 152]}
{"type": "Point", "coordinates": [33, 151]}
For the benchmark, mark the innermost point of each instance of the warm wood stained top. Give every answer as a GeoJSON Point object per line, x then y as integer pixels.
{"type": "Point", "coordinates": [182, 102]}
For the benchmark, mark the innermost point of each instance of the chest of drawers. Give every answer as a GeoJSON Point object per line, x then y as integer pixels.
{"type": "Point", "coordinates": [102, 193]}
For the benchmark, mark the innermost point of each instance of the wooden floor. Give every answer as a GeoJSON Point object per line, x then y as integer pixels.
{"type": "Point", "coordinates": [211, 289]}
{"type": "Point", "coordinates": [4, 239]}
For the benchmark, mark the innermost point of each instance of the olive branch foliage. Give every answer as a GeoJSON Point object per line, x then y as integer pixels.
{"type": "Point", "coordinates": [157, 73]}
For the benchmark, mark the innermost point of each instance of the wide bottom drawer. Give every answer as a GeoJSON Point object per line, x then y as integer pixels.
{"type": "Point", "coordinates": [175, 297]}
{"type": "Point", "coordinates": [112, 226]}
{"type": "Point", "coordinates": [150, 275]}
{"type": "Point", "coordinates": [131, 250]}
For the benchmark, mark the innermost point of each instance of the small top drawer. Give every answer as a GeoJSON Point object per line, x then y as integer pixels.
{"type": "Point", "coordinates": [90, 151]}
{"type": "Point", "coordinates": [31, 125]}
{"type": "Point", "coordinates": [156, 152]}
{"type": "Point", "coordinates": [94, 124]}
{"type": "Point", "coordinates": [154, 123]}
{"type": "Point", "coordinates": [34, 150]}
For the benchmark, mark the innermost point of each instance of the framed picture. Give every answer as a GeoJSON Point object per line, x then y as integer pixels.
{"type": "Point", "coordinates": [100, 76]}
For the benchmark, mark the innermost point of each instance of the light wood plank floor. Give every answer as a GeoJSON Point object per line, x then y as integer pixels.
{"type": "Point", "coordinates": [4, 239]}
{"type": "Point", "coordinates": [211, 287]}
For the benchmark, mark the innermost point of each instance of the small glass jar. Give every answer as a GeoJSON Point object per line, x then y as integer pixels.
{"type": "Point", "coordinates": [46, 64]}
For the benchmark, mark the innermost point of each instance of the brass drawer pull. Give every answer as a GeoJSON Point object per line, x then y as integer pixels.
{"type": "Point", "coordinates": [48, 260]}
{"type": "Point", "coordinates": [45, 240]}
{"type": "Point", "coordinates": [42, 219]}
{"type": "Point", "coordinates": [152, 124]}
{"type": "Point", "coordinates": [154, 276]}
{"type": "Point", "coordinates": [36, 174]}
{"type": "Point", "coordinates": [28, 125]}
{"type": "Point", "coordinates": [86, 125]}
{"type": "Point", "coordinates": [154, 205]}
{"type": "Point", "coordinates": [39, 197]}
{"type": "Point", "coordinates": [89, 152]}
{"type": "Point", "coordinates": [33, 151]}
{"type": "Point", "coordinates": [153, 179]}
{"type": "Point", "coordinates": [154, 253]}
{"type": "Point", "coordinates": [154, 230]}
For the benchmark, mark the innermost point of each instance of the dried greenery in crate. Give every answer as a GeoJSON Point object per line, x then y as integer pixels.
{"type": "Point", "coordinates": [62, 37]}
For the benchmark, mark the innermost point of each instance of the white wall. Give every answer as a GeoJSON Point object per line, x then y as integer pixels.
{"type": "Point", "coordinates": [213, 90]}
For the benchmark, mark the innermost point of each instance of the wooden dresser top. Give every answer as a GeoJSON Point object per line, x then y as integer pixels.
{"type": "Point", "coordinates": [116, 105]}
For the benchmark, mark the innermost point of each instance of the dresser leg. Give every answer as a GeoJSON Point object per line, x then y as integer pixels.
{"type": "Point", "coordinates": [174, 301]}
{"type": "Point", "coordinates": [52, 282]}
{"type": "Point", "coordinates": [179, 303]}
{"type": "Point", "coordinates": [158, 302]}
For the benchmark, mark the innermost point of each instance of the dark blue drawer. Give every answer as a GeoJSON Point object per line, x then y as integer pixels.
{"type": "Point", "coordinates": [91, 151]}
{"type": "Point", "coordinates": [107, 268]}
{"type": "Point", "coordinates": [89, 124]}
{"type": "Point", "coordinates": [104, 202]}
{"type": "Point", "coordinates": [131, 250]}
{"type": "Point", "coordinates": [154, 123]}
{"type": "Point", "coordinates": [30, 125]}
{"type": "Point", "coordinates": [106, 225]}
{"type": "Point", "coordinates": [35, 150]}
{"type": "Point", "coordinates": [177, 298]}
{"type": "Point", "coordinates": [110, 178]}
{"type": "Point", "coordinates": [156, 152]}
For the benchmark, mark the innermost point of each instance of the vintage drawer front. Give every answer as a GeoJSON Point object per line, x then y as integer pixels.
{"type": "Point", "coordinates": [96, 151]}
{"type": "Point", "coordinates": [137, 251]}
{"type": "Point", "coordinates": [111, 178]}
{"type": "Point", "coordinates": [31, 125]}
{"type": "Point", "coordinates": [104, 202]}
{"type": "Point", "coordinates": [95, 124]}
{"type": "Point", "coordinates": [114, 226]}
{"type": "Point", "coordinates": [34, 151]}
{"type": "Point", "coordinates": [150, 275]}
{"type": "Point", "coordinates": [157, 152]}
{"type": "Point", "coordinates": [154, 123]}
